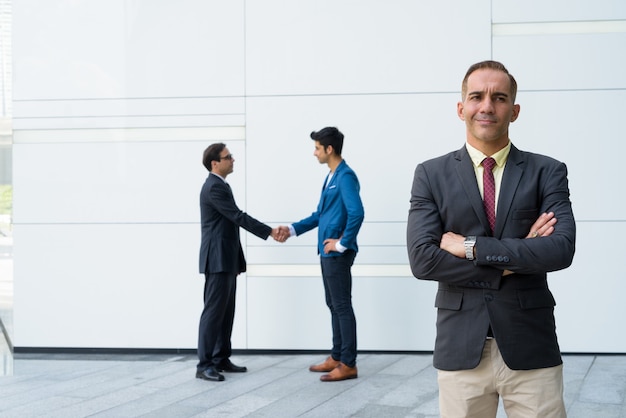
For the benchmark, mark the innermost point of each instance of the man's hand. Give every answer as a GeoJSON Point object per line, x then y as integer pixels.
{"type": "Point", "coordinates": [280, 233]}
{"type": "Point", "coordinates": [453, 243]}
{"type": "Point", "coordinates": [330, 245]}
{"type": "Point", "coordinates": [543, 226]}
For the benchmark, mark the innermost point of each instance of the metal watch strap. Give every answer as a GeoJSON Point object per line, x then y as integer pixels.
{"type": "Point", "coordinates": [469, 243]}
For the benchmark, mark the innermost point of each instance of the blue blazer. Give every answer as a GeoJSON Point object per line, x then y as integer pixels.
{"type": "Point", "coordinates": [339, 212]}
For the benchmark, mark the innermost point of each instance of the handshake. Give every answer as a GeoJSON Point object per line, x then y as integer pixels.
{"type": "Point", "coordinates": [280, 233]}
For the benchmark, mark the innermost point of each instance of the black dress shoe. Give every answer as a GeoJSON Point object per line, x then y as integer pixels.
{"type": "Point", "coordinates": [228, 366]}
{"type": "Point", "coordinates": [210, 374]}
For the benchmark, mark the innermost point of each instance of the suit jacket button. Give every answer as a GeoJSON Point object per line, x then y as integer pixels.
{"type": "Point", "coordinates": [488, 258]}
{"type": "Point", "coordinates": [506, 259]}
{"type": "Point", "coordinates": [488, 297]}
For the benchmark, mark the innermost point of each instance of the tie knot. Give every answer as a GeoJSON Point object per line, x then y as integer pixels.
{"type": "Point", "coordinates": [489, 163]}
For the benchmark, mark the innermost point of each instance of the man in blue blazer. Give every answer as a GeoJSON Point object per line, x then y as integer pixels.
{"type": "Point", "coordinates": [221, 261]}
{"type": "Point", "coordinates": [495, 321]}
{"type": "Point", "coordinates": [338, 217]}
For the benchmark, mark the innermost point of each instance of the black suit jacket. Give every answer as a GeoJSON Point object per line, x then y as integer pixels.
{"type": "Point", "coordinates": [473, 295]}
{"type": "Point", "coordinates": [220, 249]}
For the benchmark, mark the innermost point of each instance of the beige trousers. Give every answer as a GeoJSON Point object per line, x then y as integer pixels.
{"type": "Point", "coordinates": [525, 393]}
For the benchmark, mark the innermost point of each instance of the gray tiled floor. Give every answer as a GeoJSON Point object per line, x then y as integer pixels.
{"type": "Point", "coordinates": [277, 385]}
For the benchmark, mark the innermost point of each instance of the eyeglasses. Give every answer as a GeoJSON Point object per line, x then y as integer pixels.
{"type": "Point", "coordinates": [226, 157]}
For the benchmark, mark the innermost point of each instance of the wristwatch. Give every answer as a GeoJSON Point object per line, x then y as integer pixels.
{"type": "Point", "coordinates": [469, 247]}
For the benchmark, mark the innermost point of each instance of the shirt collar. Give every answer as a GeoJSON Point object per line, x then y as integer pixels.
{"type": "Point", "coordinates": [217, 175]}
{"type": "Point", "coordinates": [478, 157]}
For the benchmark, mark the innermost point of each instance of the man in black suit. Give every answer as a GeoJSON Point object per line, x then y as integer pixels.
{"type": "Point", "coordinates": [221, 260]}
{"type": "Point", "coordinates": [495, 314]}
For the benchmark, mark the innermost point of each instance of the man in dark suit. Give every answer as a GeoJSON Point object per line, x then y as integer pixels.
{"type": "Point", "coordinates": [221, 260]}
{"type": "Point", "coordinates": [338, 218]}
{"type": "Point", "coordinates": [495, 321]}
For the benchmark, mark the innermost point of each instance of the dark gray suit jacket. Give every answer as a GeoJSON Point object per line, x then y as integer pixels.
{"type": "Point", "coordinates": [220, 248]}
{"type": "Point", "coordinates": [473, 295]}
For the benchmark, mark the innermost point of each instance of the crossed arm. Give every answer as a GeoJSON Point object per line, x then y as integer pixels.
{"type": "Point", "coordinates": [543, 227]}
{"type": "Point", "coordinates": [455, 243]}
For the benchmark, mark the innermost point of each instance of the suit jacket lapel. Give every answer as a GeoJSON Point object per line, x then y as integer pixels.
{"type": "Point", "coordinates": [329, 184]}
{"type": "Point", "coordinates": [510, 181]}
{"type": "Point", "coordinates": [467, 176]}
{"type": "Point", "coordinates": [323, 194]}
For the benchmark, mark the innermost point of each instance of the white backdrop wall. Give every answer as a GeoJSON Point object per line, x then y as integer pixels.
{"type": "Point", "coordinates": [115, 100]}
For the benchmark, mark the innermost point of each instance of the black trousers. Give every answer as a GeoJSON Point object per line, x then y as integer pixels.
{"type": "Point", "coordinates": [216, 321]}
{"type": "Point", "coordinates": [337, 275]}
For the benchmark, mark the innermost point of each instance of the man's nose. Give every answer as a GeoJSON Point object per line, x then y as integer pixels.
{"type": "Point", "coordinates": [487, 106]}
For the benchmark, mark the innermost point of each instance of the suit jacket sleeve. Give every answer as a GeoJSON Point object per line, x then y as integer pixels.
{"type": "Point", "coordinates": [537, 255]}
{"type": "Point", "coordinates": [349, 189]}
{"type": "Point", "coordinates": [223, 201]}
{"type": "Point", "coordinates": [432, 213]}
{"type": "Point", "coordinates": [445, 198]}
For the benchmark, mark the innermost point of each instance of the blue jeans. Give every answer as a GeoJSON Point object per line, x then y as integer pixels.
{"type": "Point", "coordinates": [338, 289]}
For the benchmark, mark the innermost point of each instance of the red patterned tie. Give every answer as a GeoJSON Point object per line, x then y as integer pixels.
{"type": "Point", "coordinates": [489, 191]}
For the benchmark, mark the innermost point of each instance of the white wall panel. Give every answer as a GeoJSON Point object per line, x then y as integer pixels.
{"type": "Point", "coordinates": [562, 124]}
{"type": "Point", "coordinates": [395, 313]}
{"type": "Point", "coordinates": [556, 62]}
{"type": "Point", "coordinates": [109, 182]}
{"type": "Point", "coordinates": [287, 313]}
{"type": "Point", "coordinates": [115, 101]}
{"type": "Point", "coordinates": [129, 113]}
{"type": "Point", "coordinates": [505, 11]}
{"type": "Point", "coordinates": [130, 122]}
{"type": "Point", "coordinates": [128, 107]}
{"type": "Point", "coordinates": [337, 47]}
{"type": "Point", "coordinates": [386, 136]}
{"type": "Point", "coordinates": [297, 250]}
{"type": "Point", "coordinates": [290, 313]}
{"type": "Point", "coordinates": [117, 48]}
{"type": "Point", "coordinates": [185, 48]}
{"type": "Point", "coordinates": [132, 286]}
{"type": "Point", "coordinates": [116, 135]}
{"type": "Point", "coordinates": [382, 255]}
{"type": "Point", "coordinates": [589, 293]}
{"type": "Point", "coordinates": [68, 49]}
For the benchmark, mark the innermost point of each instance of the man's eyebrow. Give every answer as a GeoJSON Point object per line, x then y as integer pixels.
{"type": "Point", "coordinates": [496, 93]}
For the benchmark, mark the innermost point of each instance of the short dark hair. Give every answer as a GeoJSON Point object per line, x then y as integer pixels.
{"type": "Point", "coordinates": [212, 153]}
{"type": "Point", "coordinates": [492, 65]}
{"type": "Point", "coordinates": [329, 136]}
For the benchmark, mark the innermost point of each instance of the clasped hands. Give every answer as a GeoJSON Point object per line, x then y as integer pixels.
{"type": "Point", "coordinates": [280, 233]}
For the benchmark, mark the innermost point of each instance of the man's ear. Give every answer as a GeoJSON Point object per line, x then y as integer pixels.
{"type": "Point", "coordinates": [515, 114]}
{"type": "Point", "coordinates": [459, 110]}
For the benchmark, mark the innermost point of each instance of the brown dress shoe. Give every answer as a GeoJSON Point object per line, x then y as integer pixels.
{"type": "Point", "coordinates": [341, 372]}
{"type": "Point", "coordinates": [328, 364]}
